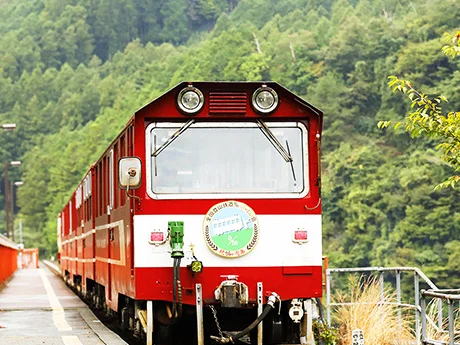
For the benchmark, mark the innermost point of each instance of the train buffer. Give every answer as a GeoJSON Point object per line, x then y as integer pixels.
{"type": "Point", "coordinates": [36, 307]}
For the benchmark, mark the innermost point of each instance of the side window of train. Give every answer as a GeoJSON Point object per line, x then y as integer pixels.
{"type": "Point", "coordinates": [70, 217]}
{"type": "Point", "coordinates": [100, 191]}
{"type": "Point", "coordinates": [123, 152]}
{"type": "Point", "coordinates": [111, 183]}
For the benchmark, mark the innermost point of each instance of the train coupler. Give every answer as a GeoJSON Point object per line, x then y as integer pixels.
{"type": "Point", "coordinates": [234, 336]}
{"type": "Point", "coordinates": [232, 293]}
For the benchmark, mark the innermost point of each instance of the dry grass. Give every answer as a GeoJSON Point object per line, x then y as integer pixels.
{"type": "Point", "coordinates": [378, 321]}
{"type": "Point", "coordinates": [433, 332]}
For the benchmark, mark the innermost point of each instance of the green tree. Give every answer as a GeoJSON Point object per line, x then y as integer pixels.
{"type": "Point", "coordinates": [428, 117]}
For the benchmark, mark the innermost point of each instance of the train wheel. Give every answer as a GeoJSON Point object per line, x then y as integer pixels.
{"type": "Point", "coordinates": [125, 317]}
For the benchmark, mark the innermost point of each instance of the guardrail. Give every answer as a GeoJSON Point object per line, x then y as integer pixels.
{"type": "Point", "coordinates": [448, 296]}
{"type": "Point", "coordinates": [9, 259]}
{"type": "Point", "coordinates": [29, 257]}
{"type": "Point", "coordinates": [419, 277]}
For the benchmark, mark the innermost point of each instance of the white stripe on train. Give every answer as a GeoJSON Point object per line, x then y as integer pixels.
{"type": "Point", "coordinates": [275, 246]}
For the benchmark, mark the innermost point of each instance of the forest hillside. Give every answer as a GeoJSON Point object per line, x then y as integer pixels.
{"type": "Point", "coordinates": [73, 71]}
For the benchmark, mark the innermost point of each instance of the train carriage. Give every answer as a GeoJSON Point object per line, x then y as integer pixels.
{"type": "Point", "coordinates": [203, 215]}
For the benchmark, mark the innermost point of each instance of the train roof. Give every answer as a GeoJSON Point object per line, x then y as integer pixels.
{"type": "Point", "coordinates": [284, 93]}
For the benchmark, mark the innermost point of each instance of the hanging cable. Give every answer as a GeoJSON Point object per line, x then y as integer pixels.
{"type": "Point", "coordinates": [177, 290]}
{"type": "Point", "coordinates": [270, 305]}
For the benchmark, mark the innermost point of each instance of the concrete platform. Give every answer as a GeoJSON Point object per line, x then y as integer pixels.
{"type": "Point", "coordinates": [36, 307]}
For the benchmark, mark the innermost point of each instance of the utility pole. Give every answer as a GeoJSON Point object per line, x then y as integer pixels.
{"type": "Point", "coordinates": [11, 195]}
{"type": "Point", "coordinates": [8, 127]}
{"type": "Point", "coordinates": [7, 201]}
{"type": "Point", "coordinates": [20, 231]}
{"type": "Point", "coordinates": [9, 211]}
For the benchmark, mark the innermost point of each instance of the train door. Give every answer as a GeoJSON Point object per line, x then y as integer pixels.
{"type": "Point", "coordinates": [102, 227]}
{"type": "Point", "coordinates": [73, 242]}
{"type": "Point", "coordinates": [79, 232]}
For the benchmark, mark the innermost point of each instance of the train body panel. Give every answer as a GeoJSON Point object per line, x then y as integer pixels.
{"type": "Point", "coordinates": [233, 186]}
{"type": "Point", "coordinates": [275, 246]}
{"type": "Point", "coordinates": [275, 260]}
{"type": "Point", "coordinates": [286, 279]}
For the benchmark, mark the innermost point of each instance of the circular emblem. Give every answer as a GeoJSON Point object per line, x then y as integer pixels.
{"type": "Point", "coordinates": [231, 229]}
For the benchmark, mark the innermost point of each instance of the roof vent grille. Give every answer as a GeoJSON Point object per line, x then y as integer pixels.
{"type": "Point", "coordinates": [227, 102]}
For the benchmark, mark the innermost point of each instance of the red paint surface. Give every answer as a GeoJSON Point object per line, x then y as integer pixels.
{"type": "Point", "coordinates": [155, 283]}
{"type": "Point", "coordinates": [8, 262]}
{"type": "Point", "coordinates": [288, 282]}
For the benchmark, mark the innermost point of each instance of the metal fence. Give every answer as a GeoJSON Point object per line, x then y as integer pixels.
{"type": "Point", "coordinates": [450, 297]}
{"type": "Point", "coordinates": [414, 302]}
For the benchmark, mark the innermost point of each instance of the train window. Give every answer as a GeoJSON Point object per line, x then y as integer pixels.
{"type": "Point", "coordinates": [99, 195]}
{"type": "Point", "coordinates": [70, 218]}
{"type": "Point", "coordinates": [105, 184]}
{"type": "Point", "coordinates": [116, 191]}
{"type": "Point", "coordinates": [123, 153]}
{"type": "Point", "coordinates": [207, 160]}
{"type": "Point", "coordinates": [111, 181]}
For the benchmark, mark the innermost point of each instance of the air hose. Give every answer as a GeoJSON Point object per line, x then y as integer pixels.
{"type": "Point", "coordinates": [177, 290]}
{"type": "Point", "coordinates": [176, 233]}
{"type": "Point", "coordinates": [231, 339]}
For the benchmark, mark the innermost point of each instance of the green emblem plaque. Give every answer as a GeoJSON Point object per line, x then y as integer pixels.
{"type": "Point", "coordinates": [231, 229]}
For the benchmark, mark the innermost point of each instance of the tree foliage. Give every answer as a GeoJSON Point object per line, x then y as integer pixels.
{"type": "Point", "coordinates": [73, 71]}
{"type": "Point", "coordinates": [428, 117]}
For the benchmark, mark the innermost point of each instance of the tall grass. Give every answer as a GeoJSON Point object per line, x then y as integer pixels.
{"type": "Point", "coordinates": [367, 310]}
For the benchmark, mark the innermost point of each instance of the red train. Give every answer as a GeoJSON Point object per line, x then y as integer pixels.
{"type": "Point", "coordinates": [203, 215]}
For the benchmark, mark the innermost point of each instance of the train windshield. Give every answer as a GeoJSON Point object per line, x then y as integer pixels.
{"type": "Point", "coordinates": [249, 159]}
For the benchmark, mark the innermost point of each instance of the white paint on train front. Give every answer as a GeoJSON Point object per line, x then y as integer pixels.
{"type": "Point", "coordinates": [274, 248]}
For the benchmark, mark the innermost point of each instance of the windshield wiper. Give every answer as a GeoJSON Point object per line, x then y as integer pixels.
{"type": "Point", "coordinates": [274, 141]}
{"type": "Point", "coordinates": [173, 137]}
{"type": "Point", "coordinates": [292, 164]}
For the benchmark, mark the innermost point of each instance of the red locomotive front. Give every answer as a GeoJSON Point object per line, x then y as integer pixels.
{"type": "Point", "coordinates": [203, 215]}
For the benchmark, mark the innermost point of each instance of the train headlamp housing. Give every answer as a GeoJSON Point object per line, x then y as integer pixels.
{"type": "Point", "coordinates": [190, 100]}
{"type": "Point", "coordinates": [265, 100]}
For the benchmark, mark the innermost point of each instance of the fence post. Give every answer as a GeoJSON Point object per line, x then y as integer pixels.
{"type": "Point", "coordinates": [440, 313]}
{"type": "Point", "coordinates": [417, 307]}
{"type": "Point", "coordinates": [398, 298]}
{"type": "Point", "coordinates": [451, 321]}
{"type": "Point", "coordinates": [423, 311]}
{"type": "Point", "coordinates": [328, 297]}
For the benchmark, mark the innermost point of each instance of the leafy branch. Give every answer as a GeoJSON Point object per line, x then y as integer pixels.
{"type": "Point", "coordinates": [427, 117]}
{"type": "Point", "coordinates": [452, 49]}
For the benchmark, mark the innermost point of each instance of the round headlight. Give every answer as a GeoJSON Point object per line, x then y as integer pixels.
{"type": "Point", "coordinates": [265, 99]}
{"type": "Point", "coordinates": [190, 100]}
